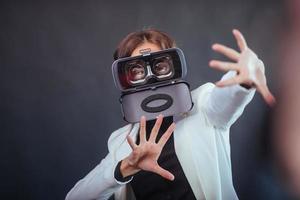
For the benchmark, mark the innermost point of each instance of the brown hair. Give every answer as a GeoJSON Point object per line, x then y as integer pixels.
{"type": "Point", "coordinates": [134, 39]}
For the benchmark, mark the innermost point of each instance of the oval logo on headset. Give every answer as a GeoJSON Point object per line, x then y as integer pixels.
{"type": "Point", "coordinates": [152, 104]}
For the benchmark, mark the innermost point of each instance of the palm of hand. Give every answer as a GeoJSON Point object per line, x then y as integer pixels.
{"type": "Point", "coordinates": [145, 156]}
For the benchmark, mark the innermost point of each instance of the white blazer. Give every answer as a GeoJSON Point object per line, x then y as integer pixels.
{"type": "Point", "coordinates": [201, 143]}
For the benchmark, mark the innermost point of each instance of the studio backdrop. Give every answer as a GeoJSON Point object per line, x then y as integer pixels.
{"type": "Point", "coordinates": [58, 102]}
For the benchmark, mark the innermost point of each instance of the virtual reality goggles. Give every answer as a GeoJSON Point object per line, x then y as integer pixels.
{"type": "Point", "coordinates": [151, 84]}
{"type": "Point", "coordinates": [149, 69]}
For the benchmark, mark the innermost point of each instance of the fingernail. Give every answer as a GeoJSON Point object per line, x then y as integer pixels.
{"type": "Point", "coordinates": [218, 84]}
{"type": "Point", "coordinates": [214, 46]}
{"type": "Point", "coordinates": [272, 101]}
{"type": "Point", "coordinates": [172, 178]}
{"type": "Point", "coordinates": [160, 115]}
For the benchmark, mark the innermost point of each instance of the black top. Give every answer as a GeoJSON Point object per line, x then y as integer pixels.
{"type": "Point", "coordinates": [147, 185]}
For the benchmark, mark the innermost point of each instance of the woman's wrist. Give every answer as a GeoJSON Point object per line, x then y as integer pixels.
{"type": "Point", "coordinates": [247, 86]}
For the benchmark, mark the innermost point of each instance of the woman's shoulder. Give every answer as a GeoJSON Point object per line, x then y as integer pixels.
{"type": "Point", "coordinates": [119, 136]}
{"type": "Point", "coordinates": [200, 94]}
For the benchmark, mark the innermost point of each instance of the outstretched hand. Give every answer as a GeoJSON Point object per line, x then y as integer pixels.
{"type": "Point", "coordinates": [145, 155]}
{"type": "Point", "coordinates": [250, 69]}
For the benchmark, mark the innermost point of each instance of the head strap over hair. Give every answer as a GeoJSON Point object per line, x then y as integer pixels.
{"type": "Point", "coordinates": [145, 52]}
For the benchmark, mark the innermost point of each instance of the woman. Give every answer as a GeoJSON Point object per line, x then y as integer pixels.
{"type": "Point", "coordinates": [147, 161]}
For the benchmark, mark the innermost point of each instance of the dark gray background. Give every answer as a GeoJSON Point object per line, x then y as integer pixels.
{"type": "Point", "coordinates": [58, 104]}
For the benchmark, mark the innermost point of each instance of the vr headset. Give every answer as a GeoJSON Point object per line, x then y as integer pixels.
{"type": "Point", "coordinates": [151, 84]}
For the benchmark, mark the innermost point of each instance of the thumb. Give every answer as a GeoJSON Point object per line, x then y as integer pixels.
{"type": "Point", "coordinates": [162, 172]}
{"type": "Point", "coordinates": [267, 95]}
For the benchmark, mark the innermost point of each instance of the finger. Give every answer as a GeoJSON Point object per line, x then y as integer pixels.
{"type": "Point", "coordinates": [232, 81]}
{"type": "Point", "coordinates": [134, 157]}
{"type": "Point", "coordinates": [267, 95]}
{"type": "Point", "coordinates": [156, 128]}
{"type": "Point", "coordinates": [223, 66]}
{"type": "Point", "coordinates": [240, 39]}
{"type": "Point", "coordinates": [165, 137]}
{"type": "Point", "coordinates": [164, 173]}
{"type": "Point", "coordinates": [230, 53]}
{"type": "Point", "coordinates": [131, 142]}
{"type": "Point", "coordinates": [143, 129]}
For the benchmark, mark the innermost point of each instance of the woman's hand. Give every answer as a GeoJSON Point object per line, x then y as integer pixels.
{"type": "Point", "coordinates": [145, 155]}
{"type": "Point", "coordinates": [250, 69]}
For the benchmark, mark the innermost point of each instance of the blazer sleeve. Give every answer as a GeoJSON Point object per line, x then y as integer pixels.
{"type": "Point", "coordinates": [223, 106]}
{"type": "Point", "coordinates": [100, 183]}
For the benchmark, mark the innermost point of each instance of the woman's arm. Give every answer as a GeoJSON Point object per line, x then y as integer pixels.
{"type": "Point", "coordinates": [100, 183]}
{"type": "Point", "coordinates": [234, 91]}
{"type": "Point", "coordinates": [223, 106]}
{"type": "Point", "coordinates": [97, 184]}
